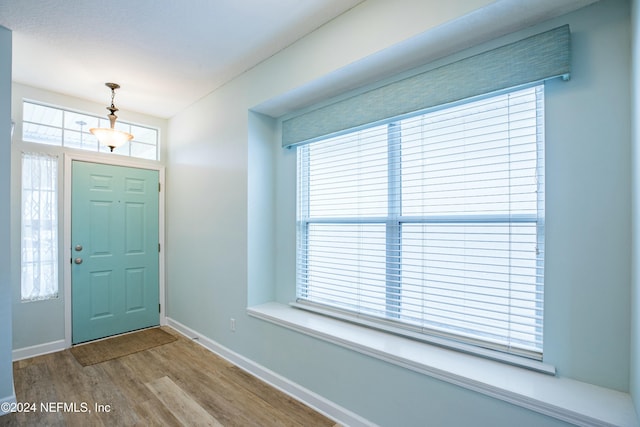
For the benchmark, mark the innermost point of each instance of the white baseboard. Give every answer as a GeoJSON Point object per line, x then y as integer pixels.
{"type": "Point", "coordinates": [324, 406]}
{"type": "Point", "coordinates": [38, 350]}
{"type": "Point", "coordinates": [9, 399]}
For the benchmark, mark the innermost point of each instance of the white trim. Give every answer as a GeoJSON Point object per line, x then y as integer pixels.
{"type": "Point", "coordinates": [163, 250]}
{"type": "Point", "coordinates": [329, 409]}
{"type": "Point", "coordinates": [565, 399]}
{"type": "Point", "coordinates": [8, 399]}
{"type": "Point", "coordinates": [38, 350]}
{"type": "Point", "coordinates": [381, 325]}
{"type": "Point", "coordinates": [69, 157]}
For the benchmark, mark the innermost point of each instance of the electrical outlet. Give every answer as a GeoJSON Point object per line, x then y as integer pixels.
{"type": "Point", "coordinates": [232, 324]}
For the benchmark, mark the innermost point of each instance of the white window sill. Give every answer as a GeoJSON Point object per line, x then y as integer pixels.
{"type": "Point", "coordinates": [562, 398]}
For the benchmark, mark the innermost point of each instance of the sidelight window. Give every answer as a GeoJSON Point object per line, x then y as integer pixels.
{"type": "Point", "coordinates": [39, 227]}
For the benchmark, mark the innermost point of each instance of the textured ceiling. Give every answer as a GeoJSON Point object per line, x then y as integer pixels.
{"type": "Point", "coordinates": [165, 54]}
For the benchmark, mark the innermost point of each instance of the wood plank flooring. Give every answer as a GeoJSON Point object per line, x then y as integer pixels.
{"type": "Point", "coordinates": [176, 384]}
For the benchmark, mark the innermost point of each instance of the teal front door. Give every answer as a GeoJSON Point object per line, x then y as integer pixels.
{"type": "Point", "coordinates": [114, 235]}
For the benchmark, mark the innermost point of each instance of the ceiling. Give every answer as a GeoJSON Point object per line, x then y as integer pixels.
{"type": "Point", "coordinates": [164, 54]}
{"type": "Point", "coordinates": [167, 54]}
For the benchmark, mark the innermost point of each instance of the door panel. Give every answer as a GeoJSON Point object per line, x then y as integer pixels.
{"type": "Point", "coordinates": [114, 232]}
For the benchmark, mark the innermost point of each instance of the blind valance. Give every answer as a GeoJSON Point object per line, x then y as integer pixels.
{"type": "Point", "coordinates": [533, 59]}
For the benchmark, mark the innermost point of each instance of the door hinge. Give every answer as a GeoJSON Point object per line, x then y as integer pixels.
{"type": "Point", "coordinates": [159, 308]}
{"type": "Point", "coordinates": [159, 187]}
{"type": "Point", "coordinates": [158, 247]}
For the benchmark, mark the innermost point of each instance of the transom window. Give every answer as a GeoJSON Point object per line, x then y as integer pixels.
{"type": "Point", "coordinates": [56, 126]}
{"type": "Point", "coordinates": [432, 224]}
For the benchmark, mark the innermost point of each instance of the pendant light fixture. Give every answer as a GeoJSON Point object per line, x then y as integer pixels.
{"type": "Point", "coordinates": [111, 137]}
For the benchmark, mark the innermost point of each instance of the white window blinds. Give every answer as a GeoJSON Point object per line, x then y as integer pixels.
{"type": "Point", "coordinates": [433, 224]}
{"type": "Point", "coordinates": [39, 226]}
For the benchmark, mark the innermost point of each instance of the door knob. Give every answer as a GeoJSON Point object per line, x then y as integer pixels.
{"type": "Point", "coordinates": [78, 260]}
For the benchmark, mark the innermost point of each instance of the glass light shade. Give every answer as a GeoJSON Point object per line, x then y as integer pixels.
{"type": "Point", "coordinates": [110, 137]}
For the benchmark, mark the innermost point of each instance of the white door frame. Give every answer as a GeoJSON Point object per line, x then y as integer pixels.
{"type": "Point", "coordinates": [116, 160]}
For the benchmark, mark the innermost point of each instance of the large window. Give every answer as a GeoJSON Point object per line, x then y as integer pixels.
{"type": "Point", "coordinates": [56, 126]}
{"type": "Point", "coordinates": [39, 227]}
{"type": "Point", "coordinates": [432, 224]}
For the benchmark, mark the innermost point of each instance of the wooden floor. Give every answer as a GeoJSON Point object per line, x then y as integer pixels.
{"type": "Point", "coordinates": [179, 383]}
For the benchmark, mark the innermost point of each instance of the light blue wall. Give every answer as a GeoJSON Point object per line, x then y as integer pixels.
{"type": "Point", "coordinates": [588, 187]}
{"type": "Point", "coordinates": [260, 208]}
{"type": "Point", "coordinates": [635, 295]}
{"type": "Point", "coordinates": [6, 367]}
{"type": "Point", "coordinates": [228, 246]}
